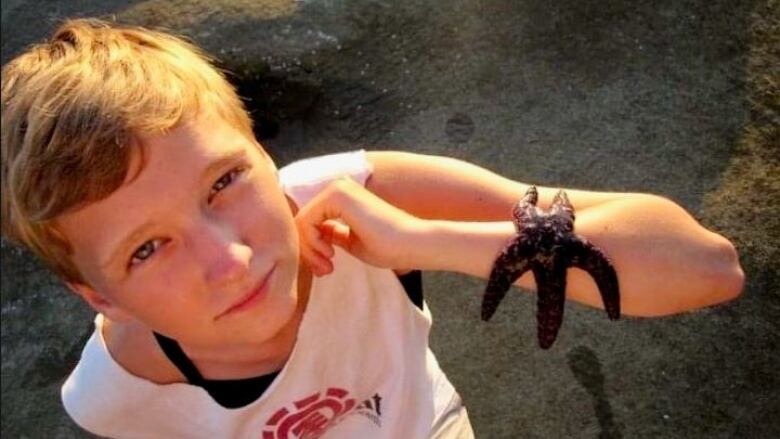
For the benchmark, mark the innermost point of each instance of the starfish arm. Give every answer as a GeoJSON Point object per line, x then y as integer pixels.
{"type": "Point", "coordinates": [520, 216]}
{"type": "Point", "coordinates": [508, 267]}
{"type": "Point", "coordinates": [531, 196]}
{"type": "Point", "coordinates": [525, 210]}
{"type": "Point", "coordinates": [562, 207]}
{"type": "Point", "coordinates": [588, 257]}
{"type": "Point", "coordinates": [551, 298]}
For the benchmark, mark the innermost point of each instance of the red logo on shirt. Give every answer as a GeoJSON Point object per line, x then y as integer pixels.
{"type": "Point", "coordinates": [311, 417]}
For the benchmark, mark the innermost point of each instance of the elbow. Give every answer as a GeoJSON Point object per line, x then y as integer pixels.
{"type": "Point", "coordinates": [725, 278]}
{"type": "Point", "coordinates": [717, 280]}
{"type": "Point", "coordinates": [718, 268]}
{"type": "Point", "coordinates": [730, 278]}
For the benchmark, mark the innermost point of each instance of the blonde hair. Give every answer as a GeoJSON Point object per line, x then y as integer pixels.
{"type": "Point", "coordinates": [71, 109]}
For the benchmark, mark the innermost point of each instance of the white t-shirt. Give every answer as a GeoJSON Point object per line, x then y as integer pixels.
{"type": "Point", "coordinates": [360, 367]}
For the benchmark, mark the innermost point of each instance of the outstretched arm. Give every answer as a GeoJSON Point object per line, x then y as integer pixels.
{"type": "Point", "coordinates": [666, 261]}
{"type": "Point", "coordinates": [438, 187]}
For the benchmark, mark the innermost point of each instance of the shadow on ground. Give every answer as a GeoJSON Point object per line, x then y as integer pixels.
{"type": "Point", "coordinates": [675, 98]}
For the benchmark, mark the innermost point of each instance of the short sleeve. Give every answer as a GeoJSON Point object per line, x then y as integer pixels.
{"type": "Point", "coordinates": [304, 179]}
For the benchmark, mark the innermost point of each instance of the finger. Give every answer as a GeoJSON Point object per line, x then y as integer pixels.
{"type": "Point", "coordinates": [313, 234]}
{"type": "Point", "coordinates": [337, 233]}
{"type": "Point", "coordinates": [319, 264]}
{"type": "Point", "coordinates": [321, 241]}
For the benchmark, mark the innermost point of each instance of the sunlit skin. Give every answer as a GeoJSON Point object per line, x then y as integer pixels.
{"type": "Point", "coordinates": [213, 221]}
{"type": "Point", "coordinates": [207, 238]}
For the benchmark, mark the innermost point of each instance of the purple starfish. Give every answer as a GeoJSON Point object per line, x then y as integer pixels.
{"type": "Point", "coordinates": [547, 245]}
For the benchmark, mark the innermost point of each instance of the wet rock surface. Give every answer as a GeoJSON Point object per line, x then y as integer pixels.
{"type": "Point", "coordinates": [663, 97]}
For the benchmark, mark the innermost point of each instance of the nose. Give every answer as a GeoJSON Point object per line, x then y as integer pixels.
{"type": "Point", "coordinates": [222, 256]}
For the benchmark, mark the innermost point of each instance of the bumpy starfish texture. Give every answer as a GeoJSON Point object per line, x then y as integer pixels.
{"type": "Point", "coordinates": [547, 245]}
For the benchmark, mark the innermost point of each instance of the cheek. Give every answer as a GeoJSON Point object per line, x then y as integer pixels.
{"type": "Point", "coordinates": [271, 218]}
{"type": "Point", "coordinates": [287, 240]}
{"type": "Point", "coordinates": [166, 282]}
{"type": "Point", "coordinates": [165, 308]}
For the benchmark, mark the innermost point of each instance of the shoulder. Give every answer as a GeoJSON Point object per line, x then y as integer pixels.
{"type": "Point", "coordinates": [114, 391]}
{"type": "Point", "coordinates": [324, 168]}
{"type": "Point", "coordinates": [303, 179]}
{"type": "Point", "coordinates": [99, 392]}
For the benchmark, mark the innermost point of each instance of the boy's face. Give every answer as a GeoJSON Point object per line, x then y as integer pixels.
{"type": "Point", "coordinates": [185, 241]}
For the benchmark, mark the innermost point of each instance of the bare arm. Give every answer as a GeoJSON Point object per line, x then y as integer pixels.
{"type": "Point", "coordinates": [658, 261]}
{"type": "Point", "coordinates": [666, 261]}
{"type": "Point", "coordinates": [438, 187]}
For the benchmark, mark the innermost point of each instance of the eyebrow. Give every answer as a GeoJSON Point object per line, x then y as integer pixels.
{"type": "Point", "coordinates": [222, 162]}
{"type": "Point", "coordinates": [134, 236]}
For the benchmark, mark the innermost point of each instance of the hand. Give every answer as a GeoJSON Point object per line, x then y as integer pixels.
{"type": "Point", "coordinates": [370, 229]}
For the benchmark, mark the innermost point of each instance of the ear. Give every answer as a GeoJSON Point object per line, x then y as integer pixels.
{"type": "Point", "coordinates": [99, 302]}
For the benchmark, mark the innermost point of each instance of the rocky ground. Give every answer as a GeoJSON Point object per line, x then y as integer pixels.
{"type": "Point", "coordinates": [675, 98]}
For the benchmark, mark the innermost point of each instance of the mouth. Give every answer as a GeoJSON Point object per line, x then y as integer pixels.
{"type": "Point", "coordinates": [254, 296]}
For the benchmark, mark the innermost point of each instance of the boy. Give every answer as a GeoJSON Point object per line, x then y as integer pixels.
{"type": "Point", "coordinates": [235, 300]}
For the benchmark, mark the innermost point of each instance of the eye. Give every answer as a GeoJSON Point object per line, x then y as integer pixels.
{"type": "Point", "coordinates": [224, 181]}
{"type": "Point", "coordinates": [145, 251]}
